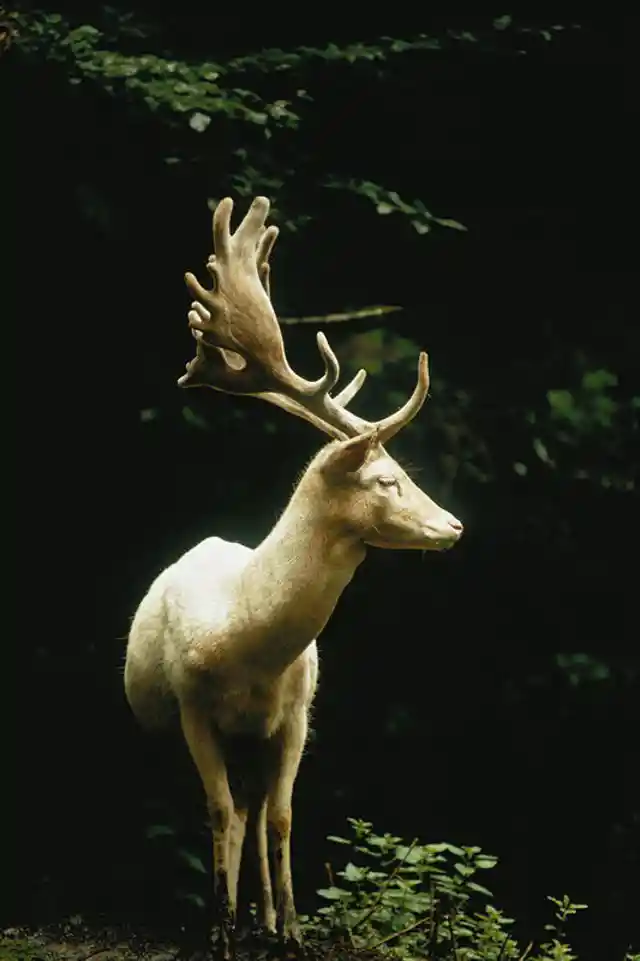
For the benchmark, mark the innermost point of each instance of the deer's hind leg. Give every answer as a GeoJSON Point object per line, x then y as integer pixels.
{"type": "Point", "coordinates": [267, 914]}
{"type": "Point", "coordinates": [208, 757]}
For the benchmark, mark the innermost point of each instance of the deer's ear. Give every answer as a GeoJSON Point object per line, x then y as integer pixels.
{"type": "Point", "coordinates": [348, 456]}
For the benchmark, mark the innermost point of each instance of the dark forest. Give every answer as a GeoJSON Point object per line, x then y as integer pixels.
{"type": "Point", "coordinates": [458, 185]}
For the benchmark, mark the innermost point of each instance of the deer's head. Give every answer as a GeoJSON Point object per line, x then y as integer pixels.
{"type": "Point", "coordinates": [240, 350]}
{"type": "Point", "coordinates": [370, 495]}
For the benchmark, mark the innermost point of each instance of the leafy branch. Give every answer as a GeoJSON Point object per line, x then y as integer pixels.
{"type": "Point", "coordinates": [183, 93]}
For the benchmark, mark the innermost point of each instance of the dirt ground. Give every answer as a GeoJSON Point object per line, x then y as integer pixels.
{"type": "Point", "coordinates": [74, 941]}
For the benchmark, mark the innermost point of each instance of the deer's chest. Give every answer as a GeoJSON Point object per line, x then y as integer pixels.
{"type": "Point", "coordinates": [255, 708]}
{"type": "Point", "coordinates": [258, 706]}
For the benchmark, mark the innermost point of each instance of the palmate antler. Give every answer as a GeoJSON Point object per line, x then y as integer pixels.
{"type": "Point", "coordinates": [240, 349]}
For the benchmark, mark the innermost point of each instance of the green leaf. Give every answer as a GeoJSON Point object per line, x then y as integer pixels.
{"type": "Point", "coordinates": [562, 403]}
{"type": "Point", "coordinates": [333, 893]}
{"type": "Point", "coordinates": [353, 873]}
{"type": "Point", "coordinates": [409, 856]}
{"type": "Point", "coordinates": [193, 419]}
{"type": "Point", "coordinates": [192, 860]}
{"type": "Point", "coordinates": [453, 850]}
{"type": "Point", "coordinates": [159, 831]}
{"type": "Point", "coordinates": [598, 380]}
{"type": "Point", "coordinates": [479, 888]}
{"type": "Point", "coordinates": [191, 896]}
{"type": "Point", "coordinates": [199, 121]}
{"type": "Point", "coordinates": [448, 222]}
{"type": "Point", "coordinates": [541, 450]}
{"type": "Point", "coordinates": [486, 861]}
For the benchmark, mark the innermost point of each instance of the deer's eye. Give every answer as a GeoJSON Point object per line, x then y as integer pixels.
{"type": "Point", "coordinates": [388, 482]}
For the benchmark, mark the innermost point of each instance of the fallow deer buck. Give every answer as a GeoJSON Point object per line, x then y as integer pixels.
{"type": "Point", "coordinates": [227, 634]}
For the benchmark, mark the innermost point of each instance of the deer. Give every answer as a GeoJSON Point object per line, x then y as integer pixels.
{"type": "Point", "coordinates": [225, 639]}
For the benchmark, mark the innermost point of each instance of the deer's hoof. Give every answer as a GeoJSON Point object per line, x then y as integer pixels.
{"type": "Point", "coordinates": [223, 944]}
{"type": "Point", "coordinates": [292, 942]}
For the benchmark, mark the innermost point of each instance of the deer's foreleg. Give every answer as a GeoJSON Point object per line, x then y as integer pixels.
{"type": "Point", "coordinates": [236, 841]}
{"type": "Point", "coordinates": [209, 760]}
{"type": "Point", "coordinates": [286, 760]}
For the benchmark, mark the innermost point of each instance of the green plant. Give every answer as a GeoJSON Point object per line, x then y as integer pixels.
{"type": "Point", "coordinates": [557, 948]}
{"type": "Point", "coordinates": [22, 949]}
{"type": "Point", "coordinates": [425, 900]}
{"type": "Point", "coordinates": [190, 873]}
{"type": "Point", "coordinates": [412, 900]}
{"type": "Point", "coordinates": [258, 103]}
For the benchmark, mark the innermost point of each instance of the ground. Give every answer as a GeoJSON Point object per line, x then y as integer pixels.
{"type": "Point", "coordinates": [75, 941]}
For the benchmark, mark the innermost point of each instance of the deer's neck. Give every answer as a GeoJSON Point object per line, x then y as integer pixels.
{"type": "Point", "coordinates": [292, 583]}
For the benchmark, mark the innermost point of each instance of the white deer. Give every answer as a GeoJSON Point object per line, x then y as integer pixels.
{"type": "Point", "coordinates": [226, 635]}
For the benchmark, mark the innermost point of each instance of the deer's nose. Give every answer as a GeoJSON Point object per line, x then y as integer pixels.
{"type": "Point", "coordinates": [456, 524]}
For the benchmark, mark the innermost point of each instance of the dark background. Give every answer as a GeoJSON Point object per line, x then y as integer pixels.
{"type": "Point", "coordinates": [489, 696]}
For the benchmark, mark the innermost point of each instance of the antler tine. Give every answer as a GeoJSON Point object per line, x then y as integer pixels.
{"type": "Point", "coordinates": [265, 246]}
{"type": "Point", "coordinates": [331, 366]}
{"type": "Point", "coordinates": [222, 228]}
{"type": "Point", "coordinates": [347, 393]}
{"type": "Point", "coordinates": [391, 425]}
{"type": "Point", "coordinates": [249, 236]}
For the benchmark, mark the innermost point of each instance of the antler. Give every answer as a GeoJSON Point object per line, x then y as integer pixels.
{"type": "Point", "coordinates": [240, 349]}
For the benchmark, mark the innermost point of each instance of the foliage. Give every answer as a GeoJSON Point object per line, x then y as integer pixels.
{"type": "Point", "coordinates": [189, 872]}
{"type": "Point", "coordinates": [20, 949]}
{"type": "Point", "coordinates": [192, 98]}
{"type": "Point", "coordinates": [407, 901]}
{"type": "Point", "coordinates": [425, 901]}
{"type": "Point", "coordinates": [587, 426]}
{"type": "Point", "coordinates": [580, 431]}
{"type": "Point", "coordinates": [258, 106]}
